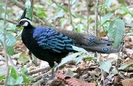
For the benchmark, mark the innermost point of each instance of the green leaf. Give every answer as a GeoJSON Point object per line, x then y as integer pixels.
{"type": "Point", "coordinates": [40, 12]}
{"type": "Point", "coordinates": [79, 59]}
{"type": "Point", "coordinates": [10, 50]}
{"type": "Point", "coordinates": [10, 11]}
{"type": "Point", "coordinates": [29, 9]}
{"type": "Point", "coordinates": [108, 3]}
{"type": "Point", "coordinates": [125, 66]}
{"type": "Point", "coordinates": [2, 77]}
{"type": "Point", "coordinates": [114, 70]}
{"type": "Point", "coordinates": [29, 13]}
{"type": "Point", "coordinates": [28, 4]}
{"type": "Point", "coordinates": [80, 28]}
{"type": "Point", "coordinates": [2, 3]}
{"type": "Point", "coordinates": [68, 58]}
{"type": "Point", "coordinates": [59, 14]}
{"type": "Point", "coordinates": [79, 49]}
{"type": "Point", "coordinates": [19, 80]}
{"type": "Point", "coordinates": [121, 1]}
{"type": "Point", "coordinates": [10, 42]}
{"type": "Point", "coordinates": [11, 81]}
{"type": "Point", "coordinates": [116, 31]}
{"type": "Point", "coordinates": [11, 27]}
{"type": "Point", "coordinates": [89, 20]}
{"type": "Point", "coordinates": [63, 22]}
{"type": "Point", "coordinates": [131, 12]}
{"type": "Point", "coordinates": [74, 3]}
{"type": "Point", "coordinates": [124, 8]}
{"type": "Point", "coordinates": [106, 17]}
{"type": "Point", "coordinates": [69, 72]}
{"type": "Point", "coordinates": [105, 65]}
{"type": "Point", "coordinates": [10, 39]}
{"type": "Point", "coordinates": [1, 9]}
{"type": "Point", "coordinates": [2, 70]}
{"type": "Point", "coordinates": [82, 52]}
{"type": "Point", "coordinates": [90, 58]}
{"type": "Point", "coordinates": [1, 26]}
{"type": "Point", "coordinates": [23, 58]}
{"type": "Point", "coordinates": [26, 80]}
{"type": "Point", "coordinates": [24, 70]}
{"type": "Point", "coordinates": [13, 73]}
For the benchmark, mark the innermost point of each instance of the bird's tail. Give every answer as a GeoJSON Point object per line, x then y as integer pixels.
{"type": "Point", "coordinates": [103, 46]}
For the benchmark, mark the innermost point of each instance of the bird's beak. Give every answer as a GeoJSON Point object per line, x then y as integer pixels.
{"type": "Point", "coordinates": [18, 25]}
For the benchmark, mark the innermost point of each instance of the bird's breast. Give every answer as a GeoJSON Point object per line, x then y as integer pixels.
{"type": "Point", "coordinates": [28, 40]}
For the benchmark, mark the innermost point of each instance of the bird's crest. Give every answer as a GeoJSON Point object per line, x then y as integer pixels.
{"type": "Point", "coordinates": [24, 13]}
{"type": "Point", "coordinates": [24, 21]}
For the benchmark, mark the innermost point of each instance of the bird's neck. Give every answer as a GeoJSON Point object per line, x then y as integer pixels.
{"type": "Point", "coordinates": [27, 35]}
{"type": "Point", "coordinates": [29, 27]}
{"type": "Point", "coordinates": [28, 31]}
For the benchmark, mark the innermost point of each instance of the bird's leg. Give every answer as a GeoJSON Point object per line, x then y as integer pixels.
{"type": "Point", "coordinates": [53, 71]}
{"type": "Point", "coordinates": [52, 74]}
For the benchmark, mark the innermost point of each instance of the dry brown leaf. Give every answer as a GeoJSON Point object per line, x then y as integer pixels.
{"type": "Point", "coordinates": [73, 81]}
{"type": "Point", "coordinates": [127, 82]}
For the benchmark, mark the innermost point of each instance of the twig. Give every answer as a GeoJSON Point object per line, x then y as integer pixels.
{"type": "Point", "coordinates": [89, 5]}
{"type": "Point", "coordinates": [41, 79]}
{"type": "Point", "coordinates": [96, 19]}
{"type": "Point", "coordinates": [22, 84]}
{"type": "Point", "coordinates": [42, 76]}
{"type": "Point", "coordinates": [4, 44]}
{"type": "Point", "coordinates": [11, 62]}
{"type": "Point", "coordinates": [58, 5]}
{"type": "Point", "coordinates": [38, 82]}
{"type": "Point", "coordinates": [32, 8]}
{"type": "Point", "coordinates": [69, 10]}
{"type": "Point", "coordinates": [88, 14]}
{"type": "Point", "coordinates": [70, 14]}
{"type": "Point", "coordinates": [18, 4]}
{"type": "Point", "coordinates": [8, 20]}
{"type": "Point", "coordinates": [38, 78]}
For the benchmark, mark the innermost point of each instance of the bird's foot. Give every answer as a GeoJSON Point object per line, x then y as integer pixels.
{"type": "Point", "coordinates": [49, 76]}
{"type": "Point", "coordinates": [52, 77]}
{"type": "Point", "coordinates": [45, 78]}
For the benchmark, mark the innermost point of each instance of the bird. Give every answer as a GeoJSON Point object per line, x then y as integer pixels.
{"type": "Point", "coordinates": [52, 44]}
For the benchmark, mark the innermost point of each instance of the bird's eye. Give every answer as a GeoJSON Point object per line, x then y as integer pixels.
{"type": "Point", "coordinates": [22, 22]}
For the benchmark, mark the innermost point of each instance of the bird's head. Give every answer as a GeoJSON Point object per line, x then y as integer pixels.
{"type": "Point", "coordinates": [25, 22]}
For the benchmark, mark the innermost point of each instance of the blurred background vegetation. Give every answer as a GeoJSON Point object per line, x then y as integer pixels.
{"type": "Point", "coordinates": [103, 18]}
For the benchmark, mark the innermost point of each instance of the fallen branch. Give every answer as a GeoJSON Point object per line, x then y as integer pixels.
{"type": "Point", "coordinates": [38, 70]}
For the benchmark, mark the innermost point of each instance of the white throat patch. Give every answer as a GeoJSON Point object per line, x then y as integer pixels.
{"type": "Point", "coordinates": [25, 24]}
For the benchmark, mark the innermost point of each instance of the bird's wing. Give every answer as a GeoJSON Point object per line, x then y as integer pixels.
{"type": "Point", "coordinates": [49, 39]}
